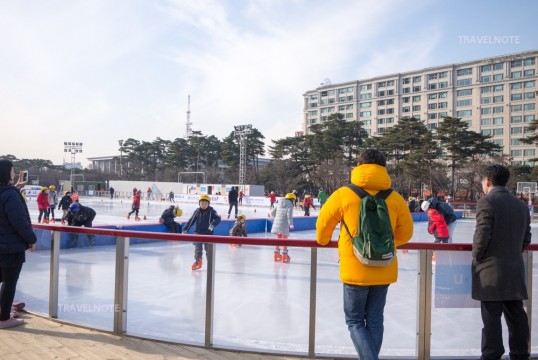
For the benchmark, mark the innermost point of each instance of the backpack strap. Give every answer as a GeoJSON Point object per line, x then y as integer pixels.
{"type": "Point", "coordinates": [383, 194]}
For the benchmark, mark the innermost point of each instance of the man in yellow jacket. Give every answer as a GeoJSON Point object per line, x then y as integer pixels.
{"type": "Point", "coordinates": [365, 287]}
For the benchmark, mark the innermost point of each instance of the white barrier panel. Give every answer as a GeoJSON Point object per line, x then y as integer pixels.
{"type": "Point", "coordinates": [223, 199]}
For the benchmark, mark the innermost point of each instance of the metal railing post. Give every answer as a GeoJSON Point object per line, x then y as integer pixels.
{"type": "Point", "coordinates": [54, 273]}
{"type": "Point", "coordinates": [529, 291]}
{"type": "Point", "coordinates": [121, 285]}
{"type": "Point", "coordinates": [424, 310]}
{"type": "Point", "coordinates": [313, 288]}
{"type": "Point", "coordinates": [210, 294]}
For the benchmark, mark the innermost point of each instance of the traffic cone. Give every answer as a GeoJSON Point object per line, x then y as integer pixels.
{"type": "Point", "coordinates": [144, 217]}
{"type": "Point", "coordinates": [254, 210]}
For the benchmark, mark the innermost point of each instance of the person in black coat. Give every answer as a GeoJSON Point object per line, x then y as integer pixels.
{"type": "Point", "coordinates": [65, 202]}
{"type": "Point", "coordinates": [168, 216]}
{"type": "Point", "coordinates": [16, 236]}
{"type": "Point", "coordinates": [232, 200]}
{"type": "Point", "coordinates": [502, 233]}
{"type": "Point", "coordinates": [79, 215]}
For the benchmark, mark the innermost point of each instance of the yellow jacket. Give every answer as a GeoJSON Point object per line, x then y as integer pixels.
{"type": "Point", "coordinates": [344, 204]}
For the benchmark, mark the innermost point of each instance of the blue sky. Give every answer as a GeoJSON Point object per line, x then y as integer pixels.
{"type": "Point", "coordinates": [99, 71]}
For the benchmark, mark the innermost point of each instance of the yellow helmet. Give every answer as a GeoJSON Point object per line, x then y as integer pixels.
{"type": "Point", "coordinates": [52, 187]}
{"type": "Point", "coordinates": [307, 196]}
{"type": "Point", "coordinates": [43, 188]}
{"type": "Point", "coordinates": [178, 212]}
{"type": "Point", "coordinates": [290, 196]}
{"type": "Point", "coordinates": [242, 216]}
{"type": "Point", "coordinates": [204, 198]}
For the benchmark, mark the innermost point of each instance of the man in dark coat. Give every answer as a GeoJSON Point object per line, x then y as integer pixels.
{"type": "Point", "coordinates": [79, 215]}
{"type": "Point", "coordinates": [498, 275]}
{"type": "Point", "coordinates": [232, 200]}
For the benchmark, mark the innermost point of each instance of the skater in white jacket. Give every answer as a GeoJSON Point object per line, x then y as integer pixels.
{"type": "Point", "coordinates": [283, 214]}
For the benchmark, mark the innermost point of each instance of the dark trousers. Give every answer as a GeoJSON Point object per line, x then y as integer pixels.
{"type": "Point", "coordinates": [232, 204]}
{"type": "Point", "coordinates": [135, 210]}
{"type": "Point", "coordinates": [9, 277]}
{"type": "Point", "coordinates": [198, 250]}
{"type": "Point", "coordinates": [518, 329]}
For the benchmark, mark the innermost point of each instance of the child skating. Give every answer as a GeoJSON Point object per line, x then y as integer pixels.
{"type": "Point", "coordinates": [436, 223]}
{"type": "Point", "coordinates": [239, 228]}
{"type": "Point", "coordinates": [168, 216]}
{"type": "Point", "coordinates": [135, 205]}
{"type": "Point", "coordinates": [307, 203]}
{"type": "Point", "coordinates": [283, 215]}
{"type": "Point", "coordinates": [205, 218]}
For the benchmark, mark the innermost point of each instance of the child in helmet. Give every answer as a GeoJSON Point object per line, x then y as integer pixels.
{"type": "Point", "coordinates": [135, 205]}
{"type": "Point", "coordinates": [283, 214]}
{"type": "Point", "coordinates": [65, 202]}
{"type": "Point", "coordinates": [205, 218]}
{"type": "Point", "coordinates": [307, 203]}
{"type": "Point", "coordinates": [43, 206]}
{"type": "Point", "coordinates": [239, 228]}
{"type": "Point", "coordinates": [79, 215]}
{"type": "Point", "coordinates": [53, 200]}
{"type": "Point", "coordinates": [168, 216]}
{"type": "Point", "coordinates": [436, 223]}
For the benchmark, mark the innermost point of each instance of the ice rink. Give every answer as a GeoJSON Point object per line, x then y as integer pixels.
{"type": "Point", "coordinates": [258, 304]}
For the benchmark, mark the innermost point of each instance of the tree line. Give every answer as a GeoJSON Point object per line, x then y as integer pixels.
{"type": "Point", "coordinates": [445, 160]}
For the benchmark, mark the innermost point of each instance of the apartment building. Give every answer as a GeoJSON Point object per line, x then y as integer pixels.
{"type": "Point", "coordinates": [495, 96]}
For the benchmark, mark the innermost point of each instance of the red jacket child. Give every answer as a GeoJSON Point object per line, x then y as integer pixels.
{"type": "Point", "coordinates": [437, 226]}
{"type": "Point", "coordinates": [43, 201]}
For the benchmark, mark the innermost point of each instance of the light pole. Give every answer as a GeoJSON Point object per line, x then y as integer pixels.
{"type": "Point", "coordinates": [121, 153]}
{"type": "Point", "coordinates": [241, 131]}
{"type": "Point", "coordinates": [73, 148]}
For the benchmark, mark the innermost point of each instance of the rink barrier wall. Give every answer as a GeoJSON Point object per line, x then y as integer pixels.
{"type": "Point", "coordinates": [253, 226]}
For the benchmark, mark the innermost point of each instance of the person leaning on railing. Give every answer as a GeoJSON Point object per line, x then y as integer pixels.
{"type": "Point", "coordinates": [16, 236]}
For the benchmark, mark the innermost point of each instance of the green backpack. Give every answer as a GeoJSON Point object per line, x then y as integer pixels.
{"type": "Point", "coordinates": [374, 243]}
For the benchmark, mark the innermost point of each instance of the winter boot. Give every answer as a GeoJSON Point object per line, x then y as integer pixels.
{"type": "Point", "coordinates": [137, 218]}
{"type": "Point", "coordinates": [285, 257]}
{"type": "Point", "coordinates": [45, 221]}
{"type": "Point", "coordinates": [128, 216]}
{"type": "Point", "coordinates": [277, 257]}
{"type": "Point", "coordinates": [197, 264]}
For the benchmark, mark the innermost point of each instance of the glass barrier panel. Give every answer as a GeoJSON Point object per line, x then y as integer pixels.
{"type": "Point", "coordinates": [261, 304]}
{"type": "Point", "coordinates": [166, 299]}
{"type": "Point", "coordinates": [34, 280]}
{"type": "Point", "coordinates": [87, 279]}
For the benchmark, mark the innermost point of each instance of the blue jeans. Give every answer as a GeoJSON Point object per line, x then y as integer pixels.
{"type": "Point", "coordinates": [363, 307]}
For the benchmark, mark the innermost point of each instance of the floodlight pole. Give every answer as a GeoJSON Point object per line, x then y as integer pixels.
{"type": "Point", "coordinates": [241, 132]}
{"type": "Point", "coordinates": [73, 148]}
{"type": "Point", "coordinates": [121, 153]}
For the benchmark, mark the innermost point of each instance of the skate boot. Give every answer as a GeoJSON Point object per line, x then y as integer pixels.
{"type": "Point", "coordinates": [277, 257]}
{"type": "Point", "coordinates": [52, 220]}
{"type": "Point", "coordinates": [128, 216]}
{"type": "Point", "coordinates": [197, 264]}
{"type": "Point", "coordinates": [45, 221]}
{"type": "Point", "coordinates": [137, 218]}
{"type": "Point", "coordinates": [285, 257]}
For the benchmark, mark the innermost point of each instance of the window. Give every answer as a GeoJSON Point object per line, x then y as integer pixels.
{"type": "Point", "coordinates": [390, 111]}
{"type": "Point", "coordinates": [416, 98]}
{"type": "Point", "coordinates": [485, 100]}
{"type": "Point", "coordinates": [498, 109]}
{"type": "Point", "coordinates": [365, 113]}
{"type": "Point", "coordinates": [342, 91]}
{"type": "Point", "coordinates": [349, 115]}
{"type": "Point", "coordinates": [515, 152]}
{"type": "Point", "coordinates": [406, 90]}
{"type": "Point", "coordinates": [323, 118]}
{"type": "Point", "coordinates": [516, 85]}
{"type": "Point", "coordinates": [485, 68]}
{"type": "Point", "coordinates": [406, 99]}
{"type": "Point", "coordinates": [313, 104]}
{"type": "Point", "coordinates": [313, 97]}
{"type": "Point", "coordinates": [516, 108]}
{"type": "Point", "coordinates": [529, 61]}
{"type": "Point", "coordinates": [381, 103]}
{"type": "Point", "coordinates": [416, 107]}
{"type": "Point", "coordinates": [406, 109]}
{"type": "Point", "coordinates": [341, 99]}
{"type": "Point", "coordinates": [416, 88]}
{"type": "Point", "coordinates": [417, 79]}
{"type": "Point", "coordinates": [432, 126]}
{"type": "Point", "coordinates": [529, 95]}
{"type": "Point", "coordinates": [432, 106]}
{"type": "Point", "coordinates": [443, 74]}
{"type": "Point", "coordinates": [366, 87]}
{"type": "Point", "coordinates": [498, 121]}
{"type": "Point", "coordinates": [515, 119]}
{"type": "Point", "coordinates": [485, 111]}
{"type": "Point", "coordinates": [365, 104]}
{"type": "Point", "coordinates": [530, 84]}
{"type": "Point", "coordinates": [497, 77]}
{"type": "Point", "coordinates": [366, 122]}
{"type": "Point", "coordinates": [467, 71]}
{"type": "Point", "coordinates": [381, 84]}
{"type": "Point", "coordinates": [313, 113]}
{"type": "Point", "coordinates": [528, 107]}
{"type": "Point", "coordinates": [416, 117]}
{"type": "Point", "coordinates": [323, 101]}
{"type": "Point", "coordinates": [527, 73]}
{"type": "Point", "coordinates": [432, 76]}
{"type": "Point", "coordinates": [515, 63]}
{"type": "Point", "coordinates": [390, 83]}
{"type": "Point", "coordinates": [390, 101]}
{"type": "Point", "coordinates": [365, 96]}
{"type": "Point", "coordinates": [464, 102]}
{"type": "Point", "coordinates": [528, 152]}
{"type": "Point", "coordinates": [381, 93]}
{"type": "Point", "coordinates": [528, 118]}
{"type": "Point", "coordinates": [331, 101]}
{"type": "Point", "coordinates": [498, 98]}
{"type": "Point", "coordinates": [349, 107]}
{"type": "Point", "coordinates": [443, 95]}
{"type": "Point", "coordinates": [432, 86]}
{"type": "Point", "coordinates": [443, 85]}
{"type": "Point", "coordinates": [331, 92]}
{"type": "Point", "coordinates": [324, 110]}
{"type": "Point", "coordinates": [485, 79]}
{"type": "Point", "coordinates": [464, 113]}
{"type": "Point", "coordinates": [350, 98]}
{"type": "Point", "coordinates": [516, 97]}
{"type": "Point", "coordinates": [515, 74]}
{"type": "Point", "coordinates": [331, 109]}
{"type": "Point", "coordinates": [463, 82]}
{"type": "Point", "coordinates": [381, 112]}
{"type": "Point", "coordinates": [350, 89]}
{"type": "Point", "coordinates": [486, 132]}
{"type": "Point", "coordinates": [515, 142]}
{"type": "Point", "coordinates": [499, 142]}
{"type": "Point", "coordinates": [497, 132]}
{"type": "Point", "coordinates": [432, 116]}
{"type": "Point", "coordinates": [443, 114]}
{"type": "Point", "coordinates": [324, 93]}
{"type": "Point", "coordinates": [406, 81]}
{"type": "Point", "coordinates": [432, 96]}
{"type": "Point", "coordinates": [498, 88]}
{"type": "Point", "coordinates": [485, 121]}
{"type": "Point", "coordinates": [498, 66]}
{"type": "Point", "coordinates": [485, 89]}
{"type": "Point", "coordinates": [516, 130]}
{"type": "Point", "coordinates": [390, 92]}
{"type": "Point", "coordinates": [464, 92]}
{"type": "Point", "coordinates": [341, 107]}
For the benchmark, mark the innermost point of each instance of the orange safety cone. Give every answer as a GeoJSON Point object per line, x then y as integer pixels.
{"type": "Point", "coordinates": [144, 217]}
{"type": "Point", "coordinates": [254, 210]}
